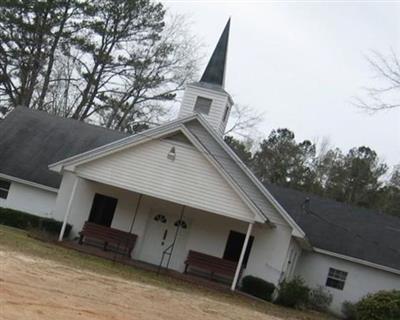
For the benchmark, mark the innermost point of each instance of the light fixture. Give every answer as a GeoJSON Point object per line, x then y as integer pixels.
{"type": "Point", "coordinates": [171, 154]}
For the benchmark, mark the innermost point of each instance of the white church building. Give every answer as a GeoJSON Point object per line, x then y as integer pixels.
{"type": "Point", "coordinates": [180, 187]}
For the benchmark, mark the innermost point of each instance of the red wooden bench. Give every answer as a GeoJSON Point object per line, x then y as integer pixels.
{"type": "Point", "coordinates": [211, 264]}
{"type": "Point", "coordinates": [120, 240]}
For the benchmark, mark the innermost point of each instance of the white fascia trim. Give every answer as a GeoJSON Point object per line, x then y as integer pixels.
{"type": "Point", "coordinates": [356, 260]}
{"type": "Point", "coordinates": [119, 145]}
{"type": "Point", "coordinates": [154, 195]}
{"type": "Point", "coordinates": [247, 171]}
{"type": "Point", "coordinates": [28, 183]}
{"type": "Point", "coordinates": [226, 176]}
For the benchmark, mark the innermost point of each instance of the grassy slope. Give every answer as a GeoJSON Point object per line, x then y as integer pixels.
{"type": "Point", "coordinates": [17, 240]}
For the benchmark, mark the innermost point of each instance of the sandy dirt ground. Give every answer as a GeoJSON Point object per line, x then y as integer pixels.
{"type": "Point", "coordinates": [33, 288]}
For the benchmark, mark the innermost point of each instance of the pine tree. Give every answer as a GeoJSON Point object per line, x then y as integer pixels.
{"type": "Point", "coordinates": [30, 32]}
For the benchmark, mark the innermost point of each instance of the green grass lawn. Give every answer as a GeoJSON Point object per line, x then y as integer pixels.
{"type": "Point", "coordinates": [18, 241]}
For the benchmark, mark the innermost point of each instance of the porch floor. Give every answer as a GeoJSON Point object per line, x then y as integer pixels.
{"type": "Point", "coordinates": [118, 258]}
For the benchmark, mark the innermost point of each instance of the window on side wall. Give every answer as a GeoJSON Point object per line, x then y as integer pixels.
{"type": "Point", "coordinates": [4, 188]}
{"type": "Point", "coordinates": [202, 105]}
{"type": "Point", "coordinates": [336, 278]}
{"type": "Point", "coordinates": [226, 113]}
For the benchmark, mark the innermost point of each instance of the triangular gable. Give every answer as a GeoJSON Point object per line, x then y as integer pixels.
{"type": "Point", "coordinates": [196, 128]}
{"type": "Point", "coordinates": [179, 138]}
{"type": "Point", "coordinates": [115, 146]}
{"type": "Point", "coordinates": [242, 175]}
{"type": "Point", "coordinates": [224, 161]}
{"type": "Point", "coordinates": [188, 178]}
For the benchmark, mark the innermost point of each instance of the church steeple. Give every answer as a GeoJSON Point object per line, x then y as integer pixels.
{"type": "Point", "coordinates": [215, 70]}
{"type": "Point", "coordinates": [208, 96]}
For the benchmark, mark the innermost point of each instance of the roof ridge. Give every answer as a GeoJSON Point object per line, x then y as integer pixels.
{"type": "Point", "coordinates": [325, 198]}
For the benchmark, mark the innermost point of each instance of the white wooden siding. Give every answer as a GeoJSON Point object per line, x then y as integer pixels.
{"type": "Point", "coordinates": [217, 110]}
{"type": "Point", "coordinates": [34, 200]}
{"type": "Point", "coordinates": [208, 232]}
{"type": "Point", "coordinates": [235, 172]}
{"type": "Point", "coordinates": [292, 258]}
{"type": "Point", "coordinates": [360, 280]}
{"type": "Point", "coordinates": [189, 180]}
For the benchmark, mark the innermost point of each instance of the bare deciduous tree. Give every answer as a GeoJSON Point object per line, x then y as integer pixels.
{"type": "Point", "coordinates": [386, 94]}
{"type": "Point", "coordinates": [116, 63]}
{"type": "Point", "coordinates": [62, 94]}
{"type": "Point", "coordinates": [167, 65]}
{"type": "Point", "coordinates": [244, 120]}
{"type": "Point", "coordinates": [30, 32]}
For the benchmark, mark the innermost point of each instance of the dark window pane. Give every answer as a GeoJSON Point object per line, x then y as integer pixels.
{"type": "Point", "coordinates": [181, 223]}
{"type": "Point", "coordinates": [333, 283]}
{"type": "Point", "coordinates": [3, 194]}
{"type": "Point", "coordinates": [4, 184]}
{"type": "Point", "coordinates": [202, 105]}
{"type": "Point", "coordinates": [234, 247]}
{"type": "Point", "coordinates": [225, 113]}
{"type": "Point", "coordinates": [161, 218]}
{"type": "Point", "coordinates": [337, 274]}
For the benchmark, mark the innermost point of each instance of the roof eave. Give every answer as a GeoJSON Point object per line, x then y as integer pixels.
{"type": "Point", "coordinates": [260, 217]}
{"type": "Point", "coordinates": [118, 144]}
{"type": "Point", "coordinates": [297, 231]}
{"type": "Point", "coordinates": [357, 260]}
{"type": "Point", "coordinates": [28, 183]}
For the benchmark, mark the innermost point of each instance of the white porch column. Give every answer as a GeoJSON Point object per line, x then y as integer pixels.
{"type": "Point", "coordinates": [68, 211]}
{"type": "Point", "coordinates": [240, 262]}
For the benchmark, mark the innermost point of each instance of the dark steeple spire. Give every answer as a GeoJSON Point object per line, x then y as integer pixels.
{"type": "Point", "coordinates": [215, 70]}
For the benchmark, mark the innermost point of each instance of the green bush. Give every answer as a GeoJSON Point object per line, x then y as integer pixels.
{"type": "Point", "coordinates": [258, 287]}
{"type": "Point", "coordinates": [293, 294]}
{"type": "Point", "coordinates": [23, 220]}
{"type": "Point", "coordinates": [320, 298]}
{"type": "Point", "coordinates": [349, 310]}
{"type": "Point", "coordinates": [380, 305]}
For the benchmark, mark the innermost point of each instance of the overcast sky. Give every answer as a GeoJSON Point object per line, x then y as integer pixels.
{"type": "Point", "coordinates": [301, 63]}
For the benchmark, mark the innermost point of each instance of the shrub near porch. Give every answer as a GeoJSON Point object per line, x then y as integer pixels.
{"type": "Point", "coordinates": [258, 287]}
{"type": "Point", "coordinates": [23, 220]}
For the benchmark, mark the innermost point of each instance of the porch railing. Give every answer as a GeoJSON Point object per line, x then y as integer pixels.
{"type": "Point", "coordinates": [170, 249]}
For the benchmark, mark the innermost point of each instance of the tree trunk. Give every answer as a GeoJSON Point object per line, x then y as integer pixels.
{"type": "Point", "coordinates": [51, 57]}
{"type": "Point", "coordinates": [85, 94]}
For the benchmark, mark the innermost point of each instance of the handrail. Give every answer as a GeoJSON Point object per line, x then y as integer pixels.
{"type": "Point", "coordinates": [172, 245]}
{"type": "Point", "coordinates": [163, 255]}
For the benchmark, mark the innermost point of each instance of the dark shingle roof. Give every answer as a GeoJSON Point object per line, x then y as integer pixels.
{"type": "Point", "coordinates": [31, 140]}
{"type": "Point", "coordinates": [344, 229]}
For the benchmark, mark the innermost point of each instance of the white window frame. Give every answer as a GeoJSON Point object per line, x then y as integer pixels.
{"type": "Point", "coordinates": [337, 276]}
{"type": "Point", "coordinates": [4, 189]}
